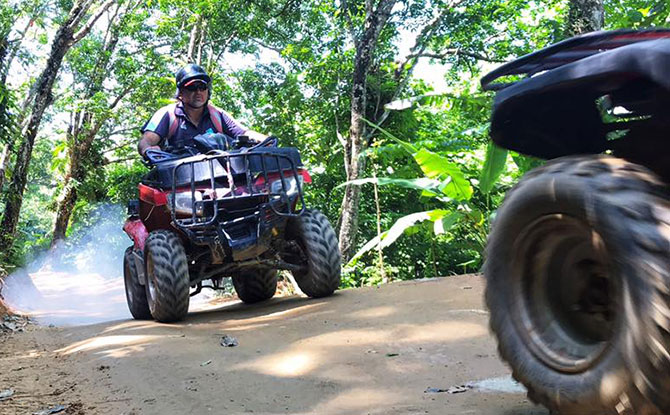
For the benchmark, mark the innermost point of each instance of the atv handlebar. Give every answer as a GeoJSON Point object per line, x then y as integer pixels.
{"type": "Point", "coordinates": [153, 157]}
{"type": "Point", "coordinates": [271, 141]}
{"type": "Point", "coordinates": [156, 156]}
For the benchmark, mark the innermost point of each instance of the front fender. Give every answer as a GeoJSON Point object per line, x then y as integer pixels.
{"type": "Point", "coordinates": [136, 230]}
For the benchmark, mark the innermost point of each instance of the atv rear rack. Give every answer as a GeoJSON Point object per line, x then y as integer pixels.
{"type": "Point", "coordinates": [236, 165]}
{"type": "Point", "coordinates": [568, 51]}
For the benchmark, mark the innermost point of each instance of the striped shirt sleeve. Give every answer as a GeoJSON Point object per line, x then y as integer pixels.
{"type": "Point", "coordinates": [159, 123]}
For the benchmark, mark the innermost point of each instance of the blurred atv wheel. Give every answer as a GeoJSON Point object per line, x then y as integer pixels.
{"type": "Point", "coordinates": [318, 253]}
{"type": "Point", "coordinates": [167, 284]}
{"type": "Point", "coordinates": [136, 296]}
{"type": "Point", "coordinates": [255, 285]}
{"type": "Point", "coordinates": [577, 270]}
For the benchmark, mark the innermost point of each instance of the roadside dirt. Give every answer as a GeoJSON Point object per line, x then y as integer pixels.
{"type": "Point", "coordinates": [385, 350]}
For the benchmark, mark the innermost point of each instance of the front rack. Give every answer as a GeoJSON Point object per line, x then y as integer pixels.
{"type": "Point", "coordinates": [238, 165]}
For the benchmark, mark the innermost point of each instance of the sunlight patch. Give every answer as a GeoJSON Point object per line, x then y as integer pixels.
{"type": "Point", "coordinates": [375, 312]}
{"type": "Point", "coordinates": [284, 365]}
{"type": "Point", "coordinates": [106, 341]}
{"type": "Point", "coordinates": [358, 400]}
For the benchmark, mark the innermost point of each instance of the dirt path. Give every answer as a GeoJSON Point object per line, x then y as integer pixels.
{"type": "Point", "coordinates": [365, 351]}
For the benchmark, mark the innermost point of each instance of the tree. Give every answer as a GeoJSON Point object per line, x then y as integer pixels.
{"type": "Point", "coordinates": [91, 112]}
{"type": "Point", "coordinates": [457, 32]}
{"type": "Point", "coordinates": [584, 16]}
{"type": "Point", "coordinates": [69, 33]}
{"type": "Point", "coordinates": [11, 38]}
{"type": "Point", "coordinates": [365, 41]}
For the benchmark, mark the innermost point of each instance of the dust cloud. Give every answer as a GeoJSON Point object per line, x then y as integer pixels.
{"type": "Point", "coordinates": [79, 281]}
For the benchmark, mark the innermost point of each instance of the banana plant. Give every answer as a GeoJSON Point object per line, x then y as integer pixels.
{"type": "Point", "coordinates": [444, 181]}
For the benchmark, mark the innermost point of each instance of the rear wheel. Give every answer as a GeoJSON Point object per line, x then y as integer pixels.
{"type": "Point", "coordinates": [136, 296]}
{"type": "Point", "coordinates": [318, 253]}
{"type": "Point", "coordinates": [167, 283]}
{"type": "Point", "coordinates": [577, 265]}
{"type": "Point", "coordinates": [255, 285]}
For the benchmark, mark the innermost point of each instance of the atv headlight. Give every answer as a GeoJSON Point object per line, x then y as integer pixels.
{"type": "Point", "coordinates": [291, 185]}
{"type": "Point", "coordinates": [183, 202]}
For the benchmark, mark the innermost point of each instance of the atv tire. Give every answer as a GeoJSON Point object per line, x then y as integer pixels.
{"type": "Point", "coordinates": [136, 295]}
{"type": "Point", "coordinates": [322, 260]}
{"type": "Point", "coordinates": [167, 279]}
{"type": "Point", "coordinates": [577, 276]}
{"type": "Point", "coordinates": [255, 285]}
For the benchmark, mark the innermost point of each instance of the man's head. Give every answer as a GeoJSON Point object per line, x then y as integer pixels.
{"type": "Point", "coordinates": [193, 86]}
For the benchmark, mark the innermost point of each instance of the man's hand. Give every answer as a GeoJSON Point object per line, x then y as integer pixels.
{"type": "Point", "coordinates": [149, 140]}
{"type": "Point", "coordinates": [255, 136]}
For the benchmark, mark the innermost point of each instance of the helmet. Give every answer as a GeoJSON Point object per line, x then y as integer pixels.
{"type": "Point", "coordinates": [191, 72]}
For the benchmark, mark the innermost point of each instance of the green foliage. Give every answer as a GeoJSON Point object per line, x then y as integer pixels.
{"type": "Point", "coordinates": [445, 182]}
{"type": "Point", "coordinates": [285, 67]}
{"type": "Point", "coordinates": [121, 182]}
{"type": "Point", "coordinates": [636, 14]}
{"type": "Point", "coordinates": [494, 166]}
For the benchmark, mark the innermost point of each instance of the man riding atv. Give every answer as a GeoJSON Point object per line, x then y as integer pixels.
{"type": "Point", "coordinates": [175, 125]}
{"type": "Point", "coordinates": [220, 201]}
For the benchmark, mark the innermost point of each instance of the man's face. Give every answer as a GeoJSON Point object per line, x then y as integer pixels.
{"type": "Point", "coordinates": [194, 94]}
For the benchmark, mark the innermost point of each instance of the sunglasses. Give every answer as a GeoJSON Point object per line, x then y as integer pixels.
{"type": "Point", "coordinates": [198, 86]}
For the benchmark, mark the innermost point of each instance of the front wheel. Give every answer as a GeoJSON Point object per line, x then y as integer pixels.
{"type": "Point", "coordinates": [577, 268]}
{"type": "Point", "coordinates": [167, 279]}
{"type": "Point", "coordinates": [319, 253]}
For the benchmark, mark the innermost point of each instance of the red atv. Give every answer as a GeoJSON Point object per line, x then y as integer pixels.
{"type": "Point", "coordinates": [220, 209]}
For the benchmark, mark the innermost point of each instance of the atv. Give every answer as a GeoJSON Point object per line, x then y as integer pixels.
{"type": "Point", "coordinates": [218, 209]}
{"type": "Point", "coordinates": [578, 258]}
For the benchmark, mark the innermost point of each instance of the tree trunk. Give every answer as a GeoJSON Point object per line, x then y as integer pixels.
{"type": "Point", "coordinates": [4, 161]}
{"type": "Point", "coordinates": [63, 41]}
{"type": "Point", "coordinates": [194, 53]}
{"type": "Point", "coordinates": [64, 212]}
{"type": "Point", "coordinates": [355, 162]}
{"type": "Point", "coordinates": [585, 16]}
{"type": "Point", "coordinates": [80, 151]}
{"type": "Point", "coordinates": [83, 133]}
{"type": "Point", "coordinates": [355, 145]}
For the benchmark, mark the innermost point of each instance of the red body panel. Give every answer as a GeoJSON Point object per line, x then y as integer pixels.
{"type": "Point", "coordinates": [275, 176]}
{"type": "Point", "coordinates": [137, 232]}
{"type": "Point", "coordinates": [152, 196]}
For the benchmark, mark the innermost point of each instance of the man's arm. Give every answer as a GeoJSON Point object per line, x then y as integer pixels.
{"type": "Point", "coordinates": [158, 126]}
{"type": "Point", "coordinates": [149, 140]}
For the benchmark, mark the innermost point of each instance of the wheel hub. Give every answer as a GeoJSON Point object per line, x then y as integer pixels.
{"type": "Point", "coordinates": [567, 297]}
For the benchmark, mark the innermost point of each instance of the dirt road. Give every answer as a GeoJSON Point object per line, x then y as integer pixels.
{"type": "Point", "coordinates": [383, 350]}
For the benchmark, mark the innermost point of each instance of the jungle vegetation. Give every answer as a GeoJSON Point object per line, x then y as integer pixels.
{"type": "Point", "coordinates": [382, 98]}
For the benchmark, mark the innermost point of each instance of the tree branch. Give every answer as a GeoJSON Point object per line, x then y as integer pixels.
{"type": "Point", "coordinates": [80, 8]}
{"type": "Point", "coordinates": [420, 45]}
{"type": "Point", "coordinates": [350, 23]}
{"type": "Point", "coordinates": [123, 144]}
{"type": "Point", "coordinates": [292, 61]}
{"type": "Point", "coordinates": [107, 161]}
{"type": "Point", "coordinates": [118, 99]}
{"type": "Point", "coordinates": [91, 21]}
{"type": "Point", "coordinates": [287, 6]}
{"type": "Point", "coordinates": [458, 52]}
{"type": "Point", "coordinates": [225, 46]}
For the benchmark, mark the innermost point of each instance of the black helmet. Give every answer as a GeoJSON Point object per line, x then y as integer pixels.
{"type": "Point", "coordinates": [191, 72]}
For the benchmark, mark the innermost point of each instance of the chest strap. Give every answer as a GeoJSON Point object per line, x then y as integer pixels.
{"type": "Point", "coordinates": [215, 115]}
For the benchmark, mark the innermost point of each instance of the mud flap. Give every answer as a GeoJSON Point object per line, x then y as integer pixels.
{"type": "Point", "coordinates": [139, 266]}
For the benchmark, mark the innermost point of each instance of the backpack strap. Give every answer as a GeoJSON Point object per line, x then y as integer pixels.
{"type": "Point", "coordinates": [173, 123]}
{"type": "Point", "coordinates": [216, 115]}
